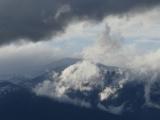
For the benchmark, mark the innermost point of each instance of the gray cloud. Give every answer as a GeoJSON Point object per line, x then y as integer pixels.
{"type": "Point", "coordinates": [39, 19]}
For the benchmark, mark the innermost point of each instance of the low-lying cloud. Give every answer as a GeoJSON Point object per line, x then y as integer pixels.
{"type": "Point", "coordinates": [83, 84]}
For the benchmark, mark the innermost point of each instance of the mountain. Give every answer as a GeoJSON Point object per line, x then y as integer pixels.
{"type": "Point", "coordinates": [96, 92]}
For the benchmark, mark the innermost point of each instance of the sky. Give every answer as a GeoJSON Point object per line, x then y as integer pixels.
{"type": "Point", "coordinates": [119, 33]}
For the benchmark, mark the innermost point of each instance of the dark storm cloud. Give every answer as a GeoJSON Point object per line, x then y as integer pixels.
{"type": "Point", "coordinates": [37, 19]}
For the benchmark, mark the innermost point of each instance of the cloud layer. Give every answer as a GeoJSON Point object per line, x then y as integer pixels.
{"type": "Point", "coordinates": [39, 19]}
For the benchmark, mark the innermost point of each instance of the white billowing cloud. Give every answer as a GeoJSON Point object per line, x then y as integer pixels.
{"type": "Point", "coordinates": [110, 50]}
{"type": "Point", "coordinates": [77, 83]}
